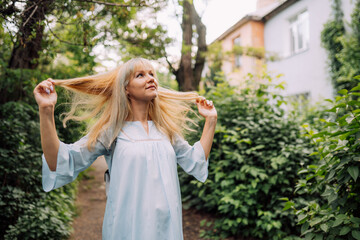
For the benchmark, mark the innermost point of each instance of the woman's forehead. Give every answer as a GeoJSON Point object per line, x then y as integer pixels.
{"type": "Point", "coordinates": [143, 66]}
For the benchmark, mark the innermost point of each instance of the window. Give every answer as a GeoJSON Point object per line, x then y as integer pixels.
{"type": "Point", "coordinates": [299, 32]}
{"type": "Point", "coordinates": [237, 42]}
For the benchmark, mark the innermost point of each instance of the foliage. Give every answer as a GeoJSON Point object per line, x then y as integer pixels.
{"type": "Point", "coordinates": [330, 38]}
{"type": "Point", "coordinates": [85, 24]}
{"type": "Point", "coordinates": [333, 183]}
{"type": "Point", "coordinates": [28, 212]}
{"type": "Point", "coordinates": [343, 48]}
{"type": "Point", "coordinates": [256, 52]}
{"type": "Point", "coordinates": [214, 57]}
{"type": "Point", "coordinates": [257, 151]}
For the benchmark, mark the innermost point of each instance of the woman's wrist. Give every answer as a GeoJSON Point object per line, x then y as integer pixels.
{"type": "Point", "coordinates": [46, 109]}
{"type": "Point", "coordinates": [211, 118]}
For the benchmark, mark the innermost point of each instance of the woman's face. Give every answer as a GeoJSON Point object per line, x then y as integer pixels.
{"type": "Point", "coordinates": [142, 86]}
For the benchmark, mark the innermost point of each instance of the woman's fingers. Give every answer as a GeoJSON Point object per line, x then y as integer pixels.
{"type": "Point", "coordinates": [51, 80]}
{"type": "Point", "coordinates": [46, 86]}
{"type": "Point", "coordinates": [200, 99]}
{"type": "Point", "coordinates": [203, 101]}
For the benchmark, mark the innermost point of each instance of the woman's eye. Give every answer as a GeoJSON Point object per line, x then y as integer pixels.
{"type": "Point", "coordinates": [151, 74]}
{"type": "Point", "coordinates": [139, 75]}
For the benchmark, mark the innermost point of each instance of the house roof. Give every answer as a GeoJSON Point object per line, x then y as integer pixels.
{"type": "Point", "coordinates": [262, 14]}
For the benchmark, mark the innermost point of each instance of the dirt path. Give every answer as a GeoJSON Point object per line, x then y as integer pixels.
{"type": "Point", "coordinates": [91, 201]}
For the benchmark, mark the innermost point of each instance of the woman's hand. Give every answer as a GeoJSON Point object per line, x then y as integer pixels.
{"type": "Point", "coordinates": [206, 108]}
{"type": "Point", "coordinates": [45, 94]}
{"type": "Point", "coordinates": [46, 98]}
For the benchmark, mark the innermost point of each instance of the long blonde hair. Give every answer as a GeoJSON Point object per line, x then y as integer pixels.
{"type": "Point", "coordinates": [103, 98]}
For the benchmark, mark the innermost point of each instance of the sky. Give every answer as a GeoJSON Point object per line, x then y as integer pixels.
{"type": "Point", "coordinates": [217, 15]}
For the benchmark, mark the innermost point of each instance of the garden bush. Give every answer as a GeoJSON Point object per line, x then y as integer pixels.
{"type": "Point", "coordinates": [27, 212]}
{"type": "Point", "coordinates": [332, 182]}
{"type": "Point", "coordinates": [257, 151]}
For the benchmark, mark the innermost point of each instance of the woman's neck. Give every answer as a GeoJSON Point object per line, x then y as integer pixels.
{"type": "Point", "coordinates": [140, 111]}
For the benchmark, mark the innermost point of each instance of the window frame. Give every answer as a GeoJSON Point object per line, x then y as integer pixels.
{"type": "Point", "coordinates": [237, 57]}
{"type": "Point", "coordinates": [299, 31]}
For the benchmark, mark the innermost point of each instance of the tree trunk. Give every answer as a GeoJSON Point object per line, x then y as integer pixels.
{"type": "Point", "coordinates": [30, 35]}
{"type": "Point", "coordinates": [202, 48]}
{"type": "Point", "coordinates": [184, 74]}
{"type": "Point", "coordinates": [189, 76]}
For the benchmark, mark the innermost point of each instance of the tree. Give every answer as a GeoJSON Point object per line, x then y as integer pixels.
{"type": "Point", "coordinates": [41, 29]}
{"type": "Point", "coordinates": [188, 74]}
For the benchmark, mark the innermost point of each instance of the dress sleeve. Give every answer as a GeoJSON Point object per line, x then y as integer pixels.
{"type": "Point", "coordinates": [191, 158]}
{"type": "Point", "coordinates": [71, 160]}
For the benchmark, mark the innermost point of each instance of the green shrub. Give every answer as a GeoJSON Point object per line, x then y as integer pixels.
{"type": "Point", "coordinates": [256, 154]}
{"type": "Point", "coordinates": [333, 182]}
{"type": "Point", "coordinates": [27, 212]}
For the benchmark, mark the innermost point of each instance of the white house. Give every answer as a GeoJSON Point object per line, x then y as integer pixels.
{"type": "Point", "coordinates": [292, 31]}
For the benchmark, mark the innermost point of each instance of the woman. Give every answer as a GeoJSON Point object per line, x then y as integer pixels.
{"type": "Point", "coordinates": [146, 121]}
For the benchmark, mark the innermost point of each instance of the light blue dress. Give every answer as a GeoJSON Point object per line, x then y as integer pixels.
{"type": "Point", "coordinates": [144, 199]}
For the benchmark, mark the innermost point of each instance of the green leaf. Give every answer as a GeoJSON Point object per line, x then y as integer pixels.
{"type": "Point", "coordinates": [343, 91]}
{"type": "Point", "coordinates": [304, 227]}
{"type": "Point", "coordinates": [344, 231]}
{"type": "Point", "coordinates": [331, 174]}
{"type": "Point", "coordinates": [355, 220]}
{"type": "Point", "coordinates": [288, 205]}
{"type": "Point", "coordinates": [355, 88]}
{"type": "Point", "coordinates": [309, 236]}
{"type": "Point", "coordinates": [301, 217]}
{"type": "Point", "coordinates": [357, 77]}
{"type": "Point", "coordinates": [284, 199]}
{"type": "Point", "coordinates": [337, 222]}
{"type": "Point", "coordinates": [319, 237]}
{"type": "Point", "coordinates": [329, 100]}
{"type": "Point", "coordinates": [332, 198]}
{"type": "Point", "coordinates": [354, 172]}
{"type": "Point", "coordinates": [324, 227]}
{"type": "Point", "coordinates": [356, 234]}
{"type": "Point", "coordinates": [315, 221]}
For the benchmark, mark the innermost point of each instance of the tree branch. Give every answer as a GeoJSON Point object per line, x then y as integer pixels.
{"type": "Point", "coordinates": [172, 69]}
{"type": "Point", "coordinates": [63, 41]}
{"type": "Point", "coordinates": [27, 9]}
{"type": "Point", "coordinates": [112, 4]}
{"type": "Point", "coordinates": [32, 13]}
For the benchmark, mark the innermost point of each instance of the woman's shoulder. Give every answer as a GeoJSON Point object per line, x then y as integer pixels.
{"type": "Point", "coordinates": [106, 137]}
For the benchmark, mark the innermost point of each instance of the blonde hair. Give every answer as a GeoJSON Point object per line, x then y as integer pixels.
{"type": "Point", "coordinates": [103, 98]}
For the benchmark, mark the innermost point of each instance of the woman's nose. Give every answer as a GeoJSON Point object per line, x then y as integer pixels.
{"type": "Point", "coordinates": [151, 78]}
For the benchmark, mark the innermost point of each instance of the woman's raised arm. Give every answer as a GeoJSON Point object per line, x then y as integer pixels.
{"type": "Point", "coordinates": [46, 98]}
{"type": "Point", "coordinates": [207, 110]}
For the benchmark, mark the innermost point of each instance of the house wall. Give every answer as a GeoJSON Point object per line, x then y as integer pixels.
{"type": "Point", "coordinates": [252, 34]}
{"type": "Point", "coordinates": [307, 71]}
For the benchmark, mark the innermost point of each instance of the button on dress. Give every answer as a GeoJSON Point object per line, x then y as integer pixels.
{"type": "Point", "coordinates": [144, 200]}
